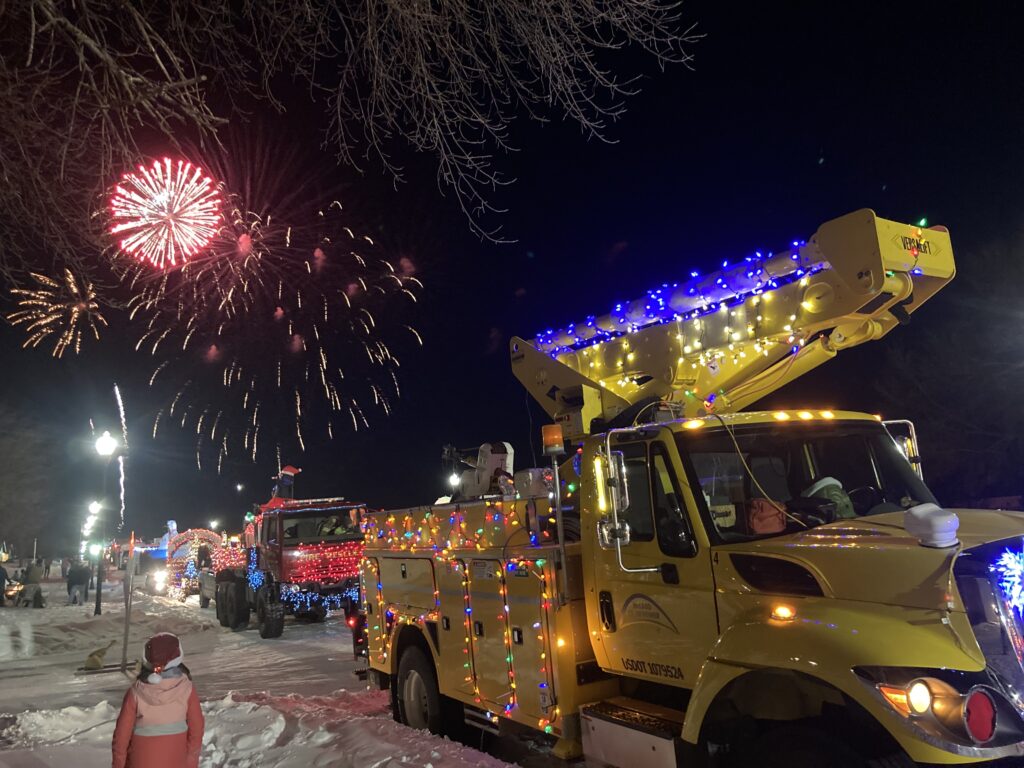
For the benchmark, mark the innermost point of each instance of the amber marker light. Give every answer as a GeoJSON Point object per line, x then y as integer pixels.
{"type": "Point", "coordinates": [781, 416]}
{"type": "Point", "coordinates": [783, 612]}
{"type": "Point", "coordinates": [897, 698]}
{"type": "Point", "coordinates": [806, 415]}
{"type": "Point", "coordinates": [693, 424]}
{"type": "Point", "coordinates": [827, 415]}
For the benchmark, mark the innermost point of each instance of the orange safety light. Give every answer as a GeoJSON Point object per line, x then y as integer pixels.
{"type": "Point", "coordinates": [552, 440]}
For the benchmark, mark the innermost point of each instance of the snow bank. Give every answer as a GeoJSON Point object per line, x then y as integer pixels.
{"type": "Point", "coordinates": [343, 730]}
{"type": "Point", "coordinates": [30, 632]}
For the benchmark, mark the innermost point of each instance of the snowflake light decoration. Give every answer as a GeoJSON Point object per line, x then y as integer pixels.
{"type": "Point", "coordinates": [1009, 568]}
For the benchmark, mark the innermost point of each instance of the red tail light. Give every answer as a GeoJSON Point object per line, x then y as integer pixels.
{"type": "Point", "coordinates": [352, 621]}
{"type": "Point", "coordinates": [980, 716]}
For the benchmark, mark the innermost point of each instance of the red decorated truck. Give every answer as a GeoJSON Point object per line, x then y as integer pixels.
{"type": "Point", "coordinates": [302, 558]}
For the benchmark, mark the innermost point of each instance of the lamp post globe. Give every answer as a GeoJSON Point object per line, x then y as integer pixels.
{"type": "Point", "coordinates": [106, 444]}
{"type": "Point", "coordinates": [94, 508]}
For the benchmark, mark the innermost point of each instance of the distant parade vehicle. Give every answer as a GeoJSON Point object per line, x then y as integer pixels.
{"type": "Point", "coordinates": [301, 558]}
{"type": "Point", "coordinates": [779, 588]}
{"type": "Point", "coordinates": [195, 550]}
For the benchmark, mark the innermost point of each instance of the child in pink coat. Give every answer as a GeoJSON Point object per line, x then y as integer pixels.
{"type": "Point", "coordinates": [161, 723]}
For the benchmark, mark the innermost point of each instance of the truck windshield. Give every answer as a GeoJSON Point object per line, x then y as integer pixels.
{"type": "Point", "coordinates": [792, 476]}
{"type": "Point", "coordinates": [315, 528]}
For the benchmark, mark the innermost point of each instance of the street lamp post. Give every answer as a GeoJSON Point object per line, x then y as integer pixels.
{"type": "Point", "coordinates": [106, 446]}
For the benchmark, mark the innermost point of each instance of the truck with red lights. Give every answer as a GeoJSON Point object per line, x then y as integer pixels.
{"type": "Point", "coordinates": [302, 558]}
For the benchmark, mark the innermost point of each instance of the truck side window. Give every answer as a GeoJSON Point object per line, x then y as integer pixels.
{"type": "Point", "coordinates": [675, 536]}
{"type": "Point", "coordinates": [638, 513]}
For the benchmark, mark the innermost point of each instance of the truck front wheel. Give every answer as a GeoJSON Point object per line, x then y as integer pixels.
{"type": "Point", "coordinates": [802, 747]}
{"type": "Point", "coordinates": [419, 700]}
{"type": "Point", "coordinates": [269, 616]}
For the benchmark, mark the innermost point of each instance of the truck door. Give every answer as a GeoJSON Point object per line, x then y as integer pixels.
{"type": "Point", "coordinates": [270, 543]}
{"type": "Point", "coordinates": [655, 611]}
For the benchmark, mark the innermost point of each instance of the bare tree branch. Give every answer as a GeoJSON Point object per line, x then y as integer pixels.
{"type": "Point", "coordinates": [85, 84]}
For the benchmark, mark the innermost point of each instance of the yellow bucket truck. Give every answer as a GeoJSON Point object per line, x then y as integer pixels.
{"type": "Point", "coordinates": [689, 583]}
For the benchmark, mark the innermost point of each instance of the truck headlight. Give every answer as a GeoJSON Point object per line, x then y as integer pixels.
{"type": "Point", "coordinates": [919, 697]}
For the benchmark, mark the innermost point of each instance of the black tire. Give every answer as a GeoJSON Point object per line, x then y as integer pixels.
{"type": "Point", "coordinates": [269, 618]}
{"type": "Point", "coordinates": [204, 601]}
{"type": "Point", "coordinates": [237, 605]}
{"type": "Point", "coordinates": [419, 700]}
{"type": "Point", "coordinates": [221, 599]}
{"type": "Point", "coordinates": [790, 746]}
{"type": "Point", "coordinates": [317, 613]}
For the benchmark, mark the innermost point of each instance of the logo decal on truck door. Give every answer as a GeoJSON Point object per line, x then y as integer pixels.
{"type": "Point", "coordinates": [641, 609]}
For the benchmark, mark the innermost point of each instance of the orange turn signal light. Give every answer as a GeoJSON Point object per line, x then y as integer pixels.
{"type": "Point", "coordinates": [897, 698]}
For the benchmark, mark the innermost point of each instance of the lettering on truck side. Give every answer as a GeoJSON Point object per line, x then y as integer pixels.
{"type": "Point", "coordinates": [652, 668]}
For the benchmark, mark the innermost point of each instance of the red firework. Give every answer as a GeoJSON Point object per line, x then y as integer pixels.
{"type": "Point", "coordinates": [165, 214]}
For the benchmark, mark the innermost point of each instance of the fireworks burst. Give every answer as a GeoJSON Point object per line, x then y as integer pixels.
{"type": "Point", "coordinates": [165, 214]}
{"type": "Point", "coordinates": [276, 333]}
{"type": "Point", "coordinates": [58, 310]}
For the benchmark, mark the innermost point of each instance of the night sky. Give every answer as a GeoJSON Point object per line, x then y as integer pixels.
{"type": "Point", "coordinates": [792, 114]}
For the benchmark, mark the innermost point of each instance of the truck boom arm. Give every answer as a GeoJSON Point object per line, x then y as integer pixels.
{"type": "Point", "coordinates": [728, 339]}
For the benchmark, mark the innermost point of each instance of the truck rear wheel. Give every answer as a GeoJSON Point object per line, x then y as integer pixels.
{"type": "Point", "coordinates": [237, 609]}
{"type": "Point", "coordinates": [221, 599]}
{"type": "Point", "coordinates": [419, 700]}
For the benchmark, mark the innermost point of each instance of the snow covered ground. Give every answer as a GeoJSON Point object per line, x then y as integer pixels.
{"type": "Point", "coordinates": [293, 701]}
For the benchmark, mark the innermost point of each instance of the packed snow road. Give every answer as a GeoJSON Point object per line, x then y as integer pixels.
{"type": "Point", "coordinates": [293, 701]}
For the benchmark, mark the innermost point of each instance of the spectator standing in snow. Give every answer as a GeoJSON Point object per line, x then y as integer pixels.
{"type": "Point", "coordinates": [32, 593]}
{"type": "Point", "coordinates": [78, 582]}
{"type": "Point", "coordinates": [3, 583]}
{"type": "Point", "coordinates": [65, 565]}
{"type": "Point", "coordinates": [46, 568]}
{"type": "Point", "coordinates": [161, 723]}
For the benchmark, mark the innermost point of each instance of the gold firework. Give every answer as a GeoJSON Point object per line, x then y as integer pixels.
{"type": "Point", "coordinates": [58, 311]}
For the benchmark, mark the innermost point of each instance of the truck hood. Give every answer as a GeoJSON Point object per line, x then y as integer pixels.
{"type": "Point", "coordinates": [873, 559]}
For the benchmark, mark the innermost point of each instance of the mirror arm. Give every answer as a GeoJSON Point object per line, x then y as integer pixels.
{"type": "Point", "coordinates": [622, 493]}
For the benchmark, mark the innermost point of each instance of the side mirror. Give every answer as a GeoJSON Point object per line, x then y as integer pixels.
{"type": "Point", "coordinates": [903, 432]}
{"type": "Point", "coordinates": [608, 533]}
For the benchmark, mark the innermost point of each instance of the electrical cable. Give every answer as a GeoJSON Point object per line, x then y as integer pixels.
{"type": "Point", "coordinates": [764, 493]}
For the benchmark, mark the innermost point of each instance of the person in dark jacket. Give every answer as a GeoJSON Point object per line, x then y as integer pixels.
{"type": "Point", "coordinates": [34, 573]}
{"type": "Point", "coordinates": [78, 583]}
{"type": "Point", "coordinates": [32, 593]}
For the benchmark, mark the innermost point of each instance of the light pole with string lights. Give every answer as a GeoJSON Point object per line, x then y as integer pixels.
{"type": "Point", "coordinates": [106, 446]}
